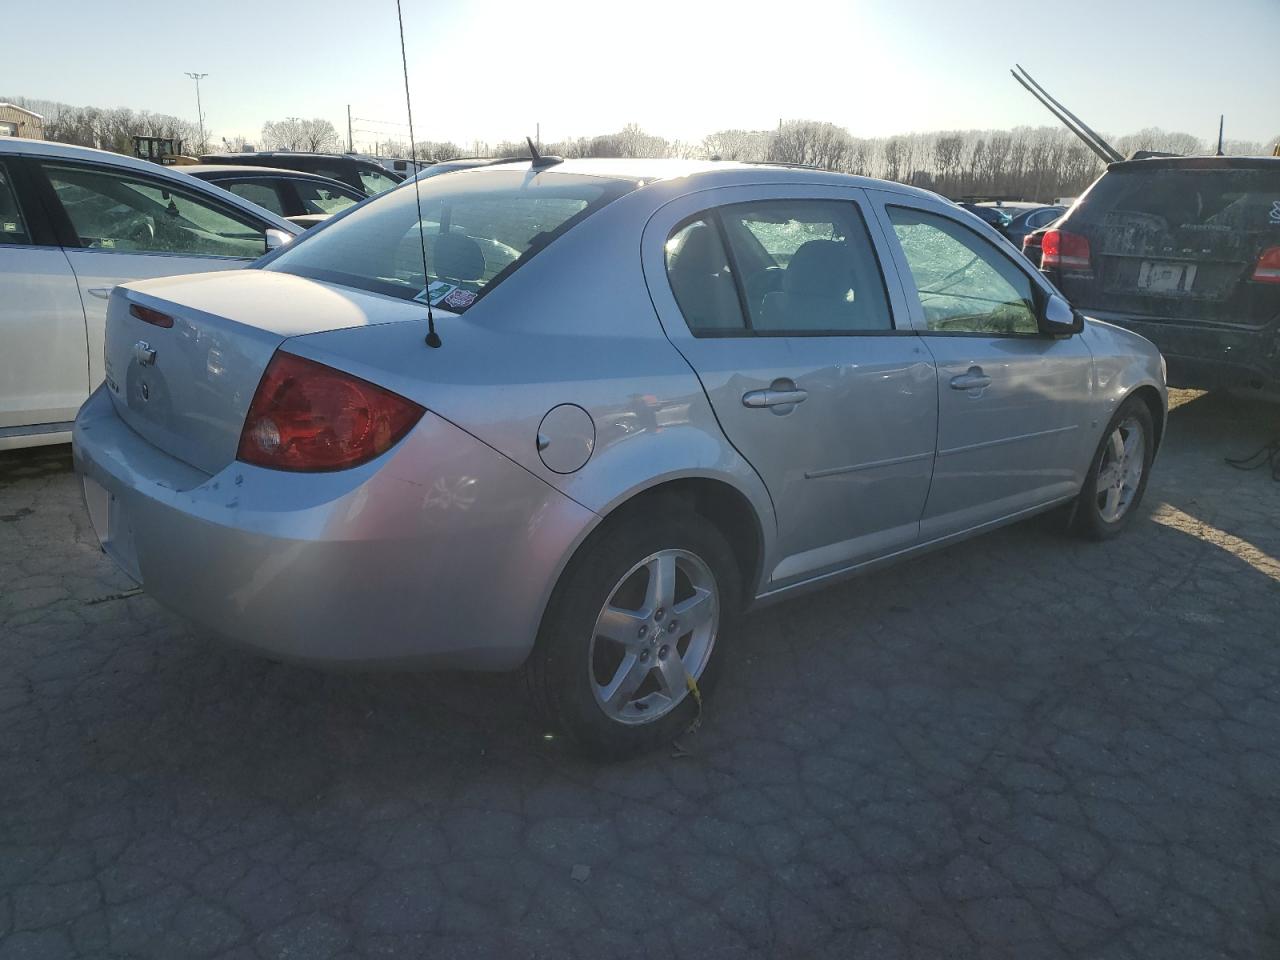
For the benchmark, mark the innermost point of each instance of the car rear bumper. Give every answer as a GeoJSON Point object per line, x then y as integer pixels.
{"type": "Point", "coordinates": [1206, 355]}
{"type": "Point", "coordinates": [440, 553]}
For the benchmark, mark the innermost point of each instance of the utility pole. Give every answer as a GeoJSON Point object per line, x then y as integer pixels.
{"type": "Point", "coordinates": [197, 77]}
{"type": "Point", "coordinates": [537, 134]}
{"type": "Point", "coordinates": [350, 143]}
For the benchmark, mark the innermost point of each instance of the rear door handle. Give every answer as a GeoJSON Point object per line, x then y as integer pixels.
{"type": "Point", "coordinates": [102, 293]}
{"type": "Point", "coordinates": [974, 379]}
{"type": "Point", "coordinates": [774, 398]}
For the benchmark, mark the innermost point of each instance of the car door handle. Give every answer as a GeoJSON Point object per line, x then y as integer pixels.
{"type": "Point", "coordinates": [975, 379]}
{"type": "Point", "coordinates": [774, 398]}
{"type": "Point", "coordinates": [102, 293]}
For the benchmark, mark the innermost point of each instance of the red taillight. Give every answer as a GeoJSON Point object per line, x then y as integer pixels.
{"type": "Point", "coordinates": [147, 315]}
{"type": "Point", "coordinates": [1067, 251]}
{"type": "Point", "coordinates": [1267, 269]}
{"type": "Point", "coordinates": [306, 416]}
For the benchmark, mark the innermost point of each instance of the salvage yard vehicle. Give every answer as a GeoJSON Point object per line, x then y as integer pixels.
{"type": "Point", "coordinates": [74, 222]}
{"type": "Point", "coordinates": [1029, 217]}
{"type": "Point", "coordinates": [1185, 251]}
{"type": "Point", "coordinates": [697, 386]}
{"type": "Point", "coordinates": [304, 199]}
{"type": "Point", "coordinates": [367, 176]}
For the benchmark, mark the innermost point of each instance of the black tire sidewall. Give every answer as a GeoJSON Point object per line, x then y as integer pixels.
{"type": "Point", "coordinates": [560, 671]}
{"type": "Point", "coordinates": [1089, 518]}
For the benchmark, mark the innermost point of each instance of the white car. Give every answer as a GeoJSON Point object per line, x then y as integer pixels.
{"type": "Point", "coordinates": [74, 222]}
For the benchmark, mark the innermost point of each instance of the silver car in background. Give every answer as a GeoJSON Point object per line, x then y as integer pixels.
{"type": "Point", "coordinates": [665, 391]}
{"type": "Point", "coordinates": [74, 222]}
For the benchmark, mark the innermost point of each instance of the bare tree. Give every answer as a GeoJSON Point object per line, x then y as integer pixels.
{"type": "Point", "coordinates": [314, 136]}
{"type": "Point", "coordinates": [737, 144]}
{"type": "Point", "coordinates": [811, 142]}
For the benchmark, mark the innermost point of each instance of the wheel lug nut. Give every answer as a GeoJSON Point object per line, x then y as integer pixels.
{"type": "Point", "coordinates": [663, 651]}
{"type": "Point", "coordinates": [644, 654]}
{"type": "Point", "coordinates": [644, 629]}
{"type": "Point", "coordinates": [671, 627]}
{"type": "Point", "coordinates": [659, 614]}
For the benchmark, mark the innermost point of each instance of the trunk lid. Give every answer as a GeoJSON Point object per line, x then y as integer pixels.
{"type": "Point", "coordinates": [187, 388]}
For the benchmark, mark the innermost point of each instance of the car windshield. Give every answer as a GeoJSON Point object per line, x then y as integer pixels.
{"type": "Point", "coordinates": [477, 228]}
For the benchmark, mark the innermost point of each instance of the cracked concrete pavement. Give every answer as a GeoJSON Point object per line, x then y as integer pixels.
{"type": "Point", "coordinates": [1025, 746]}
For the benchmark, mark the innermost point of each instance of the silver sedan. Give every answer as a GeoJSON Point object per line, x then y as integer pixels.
{"type": "Point", "coordinates": [655, 394]}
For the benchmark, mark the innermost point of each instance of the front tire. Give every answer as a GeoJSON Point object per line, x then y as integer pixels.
{"type": "Point", "coordinates": [642, 607]}
{"type": "Point", "coordinates": [1118, 473]}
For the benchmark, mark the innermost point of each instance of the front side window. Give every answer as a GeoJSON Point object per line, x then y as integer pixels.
{"type": "Point", "coordinates": [323, 197]}
{"type": "Point", "coordinates": [110, 210]}
{"type": "Point", "coordinates": [261, 192]}
{"type": "Point", "coordinates": [476, 230]}
{"type": "Point", "coordinates": [13, 228]}
{"type": "Point", "coordinates": [964, 283]}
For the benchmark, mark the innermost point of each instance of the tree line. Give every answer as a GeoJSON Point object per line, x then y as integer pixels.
{"type": "Point", "coordinates": [1035, 163]}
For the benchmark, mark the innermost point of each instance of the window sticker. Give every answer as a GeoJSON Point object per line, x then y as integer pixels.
{"type": "Point", "coordinates": [1274, 216]}
{"type": "Point", "coordinates": [436, 291]}
{"type": "Point", "coordinates": [9, 227]}
{"type": "Point", "coordinates": [459, 299]}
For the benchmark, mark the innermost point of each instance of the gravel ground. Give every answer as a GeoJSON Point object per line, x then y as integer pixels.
{"type": "Point", "coordinates": [1025, 746]}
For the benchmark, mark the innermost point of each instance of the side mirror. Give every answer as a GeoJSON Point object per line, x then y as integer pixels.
{"type": "Point", "coordinates": [276, 239]}
{"type": "Point", "coordinates": [1058, 319]}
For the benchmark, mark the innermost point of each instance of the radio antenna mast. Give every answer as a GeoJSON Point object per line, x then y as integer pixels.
{"type": "Point", "coordinates": [433, 338]}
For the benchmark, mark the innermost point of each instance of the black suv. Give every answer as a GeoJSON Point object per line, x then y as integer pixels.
{"type": "Point", "coordinates": [366, 176]}
{"type": "Point", "coordinates": [1185, 251]}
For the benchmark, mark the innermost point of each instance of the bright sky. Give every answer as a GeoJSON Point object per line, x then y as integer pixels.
{"type": "Point", "coordinates": [680, 68]}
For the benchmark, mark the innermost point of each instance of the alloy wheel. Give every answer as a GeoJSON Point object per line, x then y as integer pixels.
{"type": "Point", "coordinates": [656, 630]}
{"type": "Point", "coordinates": [1120, 469]}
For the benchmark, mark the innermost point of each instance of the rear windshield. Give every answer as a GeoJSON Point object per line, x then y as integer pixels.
{"type": "Point", "coordinates": [1185, 204]}
{"type": "Point", "coordinates": [477, 227]}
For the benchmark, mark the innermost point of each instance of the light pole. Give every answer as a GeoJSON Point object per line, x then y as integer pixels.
{"type": "Point", "coordinates": [197, 77]}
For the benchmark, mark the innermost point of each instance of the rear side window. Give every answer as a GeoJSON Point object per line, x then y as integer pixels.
{"type": "Point", "coordinates": [260, 192]}
{"type": "Point", "coordinates": [323, 197]}
{"type": "Point", "coordinates": [477, 229]}
{"type": "Point", "coordinates": [964, 283]}
{"type": "Point", "coordinates": [13, 229]}
{"type": "Point", "coordinates": [796, 267]}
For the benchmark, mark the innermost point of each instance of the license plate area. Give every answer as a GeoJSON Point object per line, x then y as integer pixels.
{"type": "Point", "coordinates": [1163, 276]}
{"type": "Point", "coordinates": [111, 525]}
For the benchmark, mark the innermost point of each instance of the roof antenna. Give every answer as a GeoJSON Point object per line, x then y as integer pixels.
{"type": "Point", "coordinates": [537, 160]}
{"type": "Point", "coordinates": [1221, 120]}
{"type": "Point", "coordinates": [433, 338]}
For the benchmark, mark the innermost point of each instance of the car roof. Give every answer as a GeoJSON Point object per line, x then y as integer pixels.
{"type": "Point", "coordinates": [1195, 163]}
{"type": "Point", "coordinates": [65, 151]}
{"type": "Point", "coordinates": [706, 173]}
{"type": "Point", "coordinates": [345, 157]}
{"type": "Point", "coordinates": [236, 169]}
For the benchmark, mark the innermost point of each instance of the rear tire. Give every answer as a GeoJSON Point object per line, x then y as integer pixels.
{"type": "Point", "coordinates": [1118, 473]}
{"type": "Point", "coordinates": [622, 692]}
